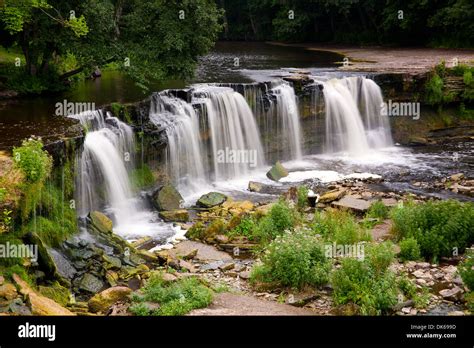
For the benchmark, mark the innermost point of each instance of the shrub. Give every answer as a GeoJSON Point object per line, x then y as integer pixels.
{"type": "Point", "coordinates": [3, 194]}
{"type": "Point", "coordinates": [368, 283]}
{"type": "Point", "coordinates": [202, 232]}
{"type": "Point", "coordinates": [293, 259]}
{"type": "Point", "coordinates": [409, 289]}
{"type": "Point", "coordinates": [176, 298]}
{"type": "Point", "coordinates": [466, 270]}
{"type": "Point", "coordinates": [280, 218]}
{"type": "Point", "coordinates": [438, 227]}
{"type": "Point", "coordinates": [377, 210]}
{"type": "Point", "coordinates": [339, 226]}
{"type": "Point", "coordinates": [33, 161]}
{"type": "Point", "coordinates": [409, 249]}
{"type": "Point", "coordinates": [302, 197]}
{"type": "Point", "coordinates": [434, 90]}
{"type": "Point", "coordinates": [245, 228]}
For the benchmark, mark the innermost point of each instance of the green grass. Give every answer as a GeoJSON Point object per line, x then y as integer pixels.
{"type": "Point", "coordinates": [142, 177]}
{"type": "Point", "coordinates": [340, 227]}
{"type": "Point", "coordinates": [176, 298]}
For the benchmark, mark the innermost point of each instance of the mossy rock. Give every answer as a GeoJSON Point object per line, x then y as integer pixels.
{"type": "Point", "coordinates": [211, 199]}
{"type": "Point", "coordinates": [90, 283]}
{"type": "Point", "coordinates": [56, 292]}
{"type": "Point", "coordinates": [167, 198]}
{"type": "Point", "coordinates": [103, 301]}
{"type": "Point", "coordinates": [277, 172]}
{"type": "Point", "coordinates": [179, 215]}
{"type": "Point", "coordinates": [100, 222]}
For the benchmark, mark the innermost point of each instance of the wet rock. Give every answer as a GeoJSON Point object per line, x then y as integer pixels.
{"type": "Point", "coordinates": [227, 266]}
{"type": "Point", "coordinates": [111, 262]}
{"type": "Point", "coordinates": [102, 301]}
{"type": "Point", "coordinates": [277, 172]}
{"type": "Point", "coordinates": [211, 199]}
{"type": "Point", "coordinates": [454, 294]}
{"type": "Point", "coordinates": [8, 291]}
{"type": "Point", "coordinates": [179, 215]}
{"type": "Point", "coordinates": [187, 266]}
{"type": "Point", "coordinates": [100, 222]}
{"type": "Point", "coordinates": [90, 283]}
{"type": "Point", "coordinates": [457, 177]}
{"type": "Point", "coordinates": [167, 198]}
{"type": "Point", "coordinates": [357, 205]}
{"type": "Point", "coordinates": [255, 186]}
{"type": "Point", "coordinates": [331, 196]}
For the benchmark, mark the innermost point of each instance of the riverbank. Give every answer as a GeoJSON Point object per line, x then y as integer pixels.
{"type": "Point", "coordinates": [403, 60]}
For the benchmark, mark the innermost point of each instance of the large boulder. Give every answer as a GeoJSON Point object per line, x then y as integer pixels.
{"type": "Point", "coordinates": [179, 215]}
{"type": "Point", "coordinates": [277, 172]}
{"type": "Point", "coordinates": [101, 302]}
{"type": "Point", "coordinates": [90, 283]}
{"type": "Point", "coordinates": [167, 198]}
{"type": "Point", "coordinates": [211, 199]}
{"type": "Point", "coordinates": [100, 222]}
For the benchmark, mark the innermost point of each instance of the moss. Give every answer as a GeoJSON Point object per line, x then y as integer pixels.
{"type": "Point", "coordinates": [55, 292]}
{"type": "Point", "coordinates": [142, 177]}
{"type": "Point", "coordinates": [20, 270]}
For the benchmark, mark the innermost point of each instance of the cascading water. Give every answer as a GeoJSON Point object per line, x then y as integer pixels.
{"type": "Point", "coordinates": [354, 122]}
{"type": "Point", "coordinates": [184, 155]}
{"type": "Point", "coordinates": [288, 129]}
{"type": "Point", "coordinates": [235, 138]}
{"type": "Point", "coordinates": [108, 146]}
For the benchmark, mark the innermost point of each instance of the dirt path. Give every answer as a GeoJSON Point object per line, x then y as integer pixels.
{"type": "Point", "coordinates": [393, 60]}
{"type": "Point", "coordinates": [233, 304]}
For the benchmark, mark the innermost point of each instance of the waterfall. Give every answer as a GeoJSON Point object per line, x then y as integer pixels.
{"type": "Point", "coordinates": [185, 153]}
{"type": "Point", "coordinates": [107, 150]}
{"type": "Point", "coordinates": [354, 122]}
{"type": "Point", "coordinates": [288, 129]}
{"type": "Point", "coordinates": [235, 138]}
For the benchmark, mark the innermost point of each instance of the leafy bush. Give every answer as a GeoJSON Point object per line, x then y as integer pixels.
{"type": "Point", "coordinates": [409, 249]}
{"type": "Point", "coordinates": [466, 270]}
{"type": "Point", "coordinates": [302, 197]}
{"type": "Point", "coordinates": [409, 289]}
{"type": "Point", "coordinates": [202, 232]}
{"type": "Point", "coordinates": [246, 228]}
{"type": "Point", "coordinates": [339, 226]}
{"type": "Point", "coordinates": [368, 283]}
{"type": "Point", "coordinates": [176, 298]}
{"type": "Point", "coordinates": [377, 210]}
{"type": "Point", "coordinates": [293, 259]}
{"type": "Point", "coordinates": [438, 227]}
{"type": "Point", "coordinates": [33, 161]}
{"type": "Point", "coordinates": [434, 90]}
{"type": "Point", "coordinates": [3, 193]}
{"type": "Point", "coordinates": [280, 218]}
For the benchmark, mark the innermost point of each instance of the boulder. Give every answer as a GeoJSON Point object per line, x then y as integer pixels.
{"type": "Point", "coordinates": [277, 172]}
{"type": "Point", "coordinates": [90, 283]}
{"type": "Point", "coordinates": [102, 301]}
{"type": "Point", "coordinates": [457, 177]}
{"type": "Point", "coordinates": [100, 222]}
{"type": "Point", "coordinates": [167, 198]}
{"type": "Point", "coordinates": [179, 215]}
{"type": "Point", "coordinates": [454, 294]}
{"type": "Point", "coordinates": [211, 199]}
{"type": "Point", "coordinates": [348, 202]}
{"type": "Point", "coordinates": [8, 291]}
{"type": "Point", "coordinates": [331, 196]}
{"type": "Point", "coordinates": [255, 186]}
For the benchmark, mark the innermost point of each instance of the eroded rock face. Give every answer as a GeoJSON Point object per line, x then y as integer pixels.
{"type": "Point", "coordinates": [102, 301]}
{"type": "Point", "coordinates": [211, 199]}
{"type": "Point", "coordinates": [100, 222]}
{"type": "Point", "coordinates": [179, 215]}
{"type": "Point", "coordinates": [167, 198]}
{"type": "Point", "coordinates": [277, 172]}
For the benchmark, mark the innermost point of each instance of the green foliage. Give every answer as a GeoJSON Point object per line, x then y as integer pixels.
{"type": "Point", "coordinates": [33, 161]}
{"type": "Point", "coordinates": [302, 197]}
{"type": "Point", "coordinates": [368, 283]}
{"type": "Point", "coordinates": [438, 227]}
{"type": "Point", "coordinates": [434, 90]}
{"type": "Point", "coordinates": [409, 289]}
{"type": "Point", "coordinates": [176, 298]}
{"type": "Point", "coordinates": [409, 250]}
{"type": "Point", "coordinates": [280, 218]}
{"type": "Point", "coordinates": [377, 210]}
{"type": "Point", "coordinates": [142, 177]}
{"type": "Point", "coordinates": [56, 292]}
{"type": "Point", "coordinates": [466, 270]}
{"type": "Point", "coordinates": [196, 231]}
{"type": "Point", "coordinates": [339, 226]}
{"type": "Point", "coordinates": [3, 194]}
{"type": "Point", "coordinates": [19, 270]}
{"type": "Point", "coordinates": [293, 259]}
{"type": "Point", "coordinates": [469, 297]}
{"type": "Point", "coordinates": [245, 228]}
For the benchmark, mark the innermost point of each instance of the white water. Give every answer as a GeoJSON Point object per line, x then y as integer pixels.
{"type": "Point", "coordinates": [288, 120]}
{"type": "Point", "coordinates": [354, 123]}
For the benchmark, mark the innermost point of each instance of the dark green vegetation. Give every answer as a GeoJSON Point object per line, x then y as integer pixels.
{"type": "Point", "coordinates": [56, 40]}
{"type": "Point", "coordinates": [440, 228]}
{"type": "Point", "coordinates": [176, 298]}
{"type": "Point", "coordinates": [436, 23]}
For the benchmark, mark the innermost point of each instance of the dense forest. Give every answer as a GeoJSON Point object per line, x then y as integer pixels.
{"type": "Point", "coordinates": [445, 23]}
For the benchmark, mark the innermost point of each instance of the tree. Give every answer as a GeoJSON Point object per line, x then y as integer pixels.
{"type": "Point", "coordinates": [147, 39]}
